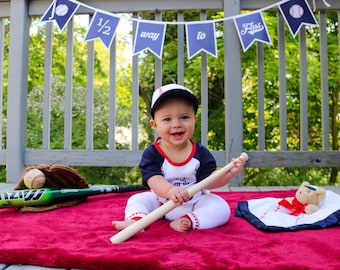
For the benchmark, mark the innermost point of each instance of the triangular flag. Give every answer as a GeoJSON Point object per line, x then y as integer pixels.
{"type": "Point", "coordinates": [149, 36]}
{"type": "Point", "coordinates": [251, 27]}
{"type": "Point", "coordinates": [201, 37]}
{"type": "Point", "coordinates": [103, 26]}
{"type": "Point", "coordinates": [296, 13]}
{"type": "Point", "coordinates": [60, 11]}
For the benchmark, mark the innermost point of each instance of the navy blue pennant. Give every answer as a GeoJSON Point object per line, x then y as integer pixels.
{"type": "Point", "coordinates": [149, 36]}
{"type": "Point", "coordinates": [103, 26]}
{"type": "Point", "coordinates": [251, 27]}
{"type": "Point", "coordinates": [60, 11]}
{"type": "Point", "coordinates": [297, 13]}
{"type": "Point", "coordinates": [201, 37]}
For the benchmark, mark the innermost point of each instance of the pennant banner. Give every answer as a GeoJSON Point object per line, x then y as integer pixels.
{"type": "Point", "coordinates": [103, 26]}
{"type": "Point", "coordinates": [251, 27]}
{"type": "Point", "coordinates": [149, 36]}
{"type": "Point", "coordinates": [60, 11]}
{"type": "Point", "coordinates": [297, 13]}
{"type": "Point", "coordinates": [201, 36]}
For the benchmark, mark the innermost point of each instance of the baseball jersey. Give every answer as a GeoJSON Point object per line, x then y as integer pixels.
{"type": "Point", "coordinates": [199, 164]}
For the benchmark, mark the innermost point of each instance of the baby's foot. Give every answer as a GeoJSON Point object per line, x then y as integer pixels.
{"type": "Point", "coordinates": [182, 224]}
{"type": "Point", "coordinates": [121, 225]}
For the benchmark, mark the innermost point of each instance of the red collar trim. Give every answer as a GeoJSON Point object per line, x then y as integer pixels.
{"type": "Point", "coordinates": [193, 150]}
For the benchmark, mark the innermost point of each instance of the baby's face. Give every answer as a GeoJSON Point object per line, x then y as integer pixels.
{"type": "Point", "coordinates": [175, 121]}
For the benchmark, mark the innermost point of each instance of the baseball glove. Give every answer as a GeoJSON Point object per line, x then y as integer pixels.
{"type": "Point", "coordinates": [57, 176]}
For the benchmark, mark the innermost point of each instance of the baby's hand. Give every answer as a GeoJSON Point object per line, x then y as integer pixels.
{"type": "Point", "coordinates": [238, 165]}
{"type": "Point", "coordinates": [178, 194]}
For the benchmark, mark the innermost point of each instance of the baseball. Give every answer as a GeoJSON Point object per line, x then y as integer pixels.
{"type": "Point", "coordinates": [34, 179]}
{"type": "Point", "coordinates": [61, 10]}
{"type": "Point", "coordinates": [296, 11]}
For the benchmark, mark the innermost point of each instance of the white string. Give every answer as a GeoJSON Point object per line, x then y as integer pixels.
{"type": "Point", "coordinates": [324, 1]}
{"type": "Point", "coordinates": [327, 5]}
{"type": "Point", "coordinates": [216, 20]}
{"type": "Point", "coordinates": [162, 22]}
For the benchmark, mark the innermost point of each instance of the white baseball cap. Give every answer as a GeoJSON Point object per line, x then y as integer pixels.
{"type": "Point", "coordinates": [174, 91]}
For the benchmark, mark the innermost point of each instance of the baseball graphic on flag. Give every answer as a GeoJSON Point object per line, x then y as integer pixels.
{"type": "Point", "coordinates": [61, 10]}
{"type": "Point", "coordinates": [296, 11]}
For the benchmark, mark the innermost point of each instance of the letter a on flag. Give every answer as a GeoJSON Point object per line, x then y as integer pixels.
{"type": "Point", "coordinates": [296, 13]}
{"type": "Point", "coordinates": [251, 27]}
{"type": "Point", "coordinates": [60, 11]}
{"type": "Point", "coordinates": [149, 36]}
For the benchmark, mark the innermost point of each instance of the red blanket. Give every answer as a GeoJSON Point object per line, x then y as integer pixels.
{"type": "Point", "coordinates": [78, 237]}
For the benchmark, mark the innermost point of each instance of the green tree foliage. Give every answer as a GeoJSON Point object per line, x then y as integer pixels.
{"type": "Point", "coordinates": [101, 99]}
{"type": "Point", "coordinates": [216, 105]}
{"type": "Point", "coordinates": [290, 176]}
{"type": "Point", "coordinates": [269, 176]}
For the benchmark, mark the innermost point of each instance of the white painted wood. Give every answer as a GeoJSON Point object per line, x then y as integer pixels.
{"type": "Point", "coordinates": [16, 156]}
{"type": "Point", "coordinates": [17, 88]}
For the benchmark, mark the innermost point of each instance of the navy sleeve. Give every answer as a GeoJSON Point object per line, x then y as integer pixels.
{"type": "Point", "coordinates": [150, 164]}
{"type": "Point", "coordinates": [207, 162]}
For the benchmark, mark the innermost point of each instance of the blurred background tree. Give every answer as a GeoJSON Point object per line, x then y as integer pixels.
{"type": "Point", "coordinates": [216, 133]}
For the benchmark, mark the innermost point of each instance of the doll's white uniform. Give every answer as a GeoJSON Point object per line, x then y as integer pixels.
{"type": "Point", "coordinates": [205, 210]}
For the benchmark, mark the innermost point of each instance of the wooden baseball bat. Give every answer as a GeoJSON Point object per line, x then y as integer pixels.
{"type": "Point", "coordinates": [44, 196]}
{"type": "Point", "coordinates": [168, 206]}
